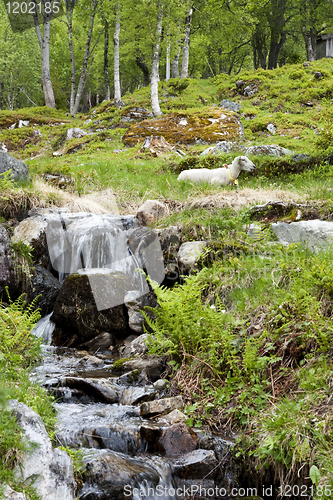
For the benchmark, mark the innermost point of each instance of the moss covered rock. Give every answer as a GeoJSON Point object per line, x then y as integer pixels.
{"type": "Point", "coordinates": [76, 313]}
{"type": "Point", "coordinates": [207, 126]}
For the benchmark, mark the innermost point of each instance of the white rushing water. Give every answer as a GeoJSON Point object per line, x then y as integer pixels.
{"type": "Point", "coordinates": [44, 328]}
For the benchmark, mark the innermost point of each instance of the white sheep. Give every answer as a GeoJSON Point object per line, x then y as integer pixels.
{"type": "Point", "coordinates": [222, 176]}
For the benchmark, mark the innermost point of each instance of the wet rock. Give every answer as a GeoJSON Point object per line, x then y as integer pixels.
{"type": "Point", "coordinates": [44, 284]}
{"type": "Point", "coordinates": [76, 311]}
{"type": "Point", "coordinates": [174, 417]}
{"type": "Point", "coordinates": [136, 395]}
{"type": "Point", "coordinates": [101, 426]}
{"type": "Point", "coordinates": [195, 465]}
{"type": "Point", "coordinates": [115, 475]}
{"type": "Point", "coordinates": [150, 433]}
{"type": "Point", "coordinates": [271, 128]}
{"type": "Point", "coordinates": [10, 494]}
{"type": "Point", "coordinates": [136, 377]}
{"type": "Point", "coordinates": [161, 406]}
{"type": "Point", "coordinates": [318, 75]}
{"type": "Point", "coordinates": [300, 157]}
{"type": "Point", "coordinates": [7, 274]}
{"type": "Point", "coordinates": [270, 150]}
{"type": "Point", "coordinates": [230, 105]}
{"type": "Point", "coordinates": [177, 440]}
{"type": "Point", "coordinates": [151, 211]}
{"type": "Point", "coordinates": [223, 449]}
{"type": "Point", "coordinates": [102, 341]}
{"type": "Point", "coordinates": [150, 366]}
{"type": "Point", "coordinates": [98, 389]}
{"type": "Point", "coordinates": [306, 64]}
{"type": "Point", "coordinates": [250, 90]}
{"type": "Point", "coordinates": [19, 170]}
{"type": "Point", "coordinates": [50, 469]}
{"type": "Point", "coordinates": [314, 234]}
{"type": "Point", "coordinates": [136, 347]}
{"type": "Point", "coordinates": [188, 255]}
{"type": "Point", "coordinates": [135, 302]}
{"type": "Point", "coordinates": [76, 133]}
{"type": "Point", "coordinates": [208, 126]}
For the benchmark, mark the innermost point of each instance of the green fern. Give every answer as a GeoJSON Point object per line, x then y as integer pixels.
{"type": "Point", "coordinates": [16, 323]}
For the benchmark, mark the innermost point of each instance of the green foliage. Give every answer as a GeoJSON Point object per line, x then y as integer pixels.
{"type": "Point", "coordinates": [177, 85]}
{"type": "Point", "coordinates": [6, 181]}
{"type": "Point", "coordinates": [17, 345]}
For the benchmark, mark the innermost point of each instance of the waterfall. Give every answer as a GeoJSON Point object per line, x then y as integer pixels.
{"type": "Point", "coordinates": [44, 328]}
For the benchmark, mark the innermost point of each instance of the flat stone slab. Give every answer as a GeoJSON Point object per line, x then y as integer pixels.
{"type": "Point", "coordinates": [161, 406]}
{"type": "Point", "coordinates": [314, 234]}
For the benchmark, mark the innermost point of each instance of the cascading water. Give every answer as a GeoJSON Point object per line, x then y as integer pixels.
{"type": "Point", "coordinates": [99, 412]}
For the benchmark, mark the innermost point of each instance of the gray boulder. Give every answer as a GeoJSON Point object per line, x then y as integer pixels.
{"type": "Point", "coordinates": [314, 234]}
{"type": "Point", "coordinates": [10, 494]}
{"type": "Point", "coordinates": [19, 170]}
{"type": "Point", "coordinates": [7, 275]}
{"type": "Point", "coordinates": [51, 470]}
{"type": "Point", "coordinates": [135, 301]}
{"type": "Point", "coordinates": [300, 157]}
{"type": "Point", "coordinates": [189, 254]}
{"type": "Point", "coordinates": [232, 106]}
{"type": "Point", "coordinates": [270, 150]}
{"type": "Point", "coordinates": [151, 211]}
{"type": "Point", "coordinates": [221, 147]}
{"type": "Point", "coordinates": [46, 286]}
{"type": "Point", "coordinates": [113, 476]}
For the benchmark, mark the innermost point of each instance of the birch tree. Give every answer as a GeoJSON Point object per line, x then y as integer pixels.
{"type": "Point", "coordinates": [44, 44]}
{"type": "Point", "coordinates": [116, 75]}
{"type": "Point", "coordinates": [154, 76]}
{"type": "Point", "coordinates": [186, 44]}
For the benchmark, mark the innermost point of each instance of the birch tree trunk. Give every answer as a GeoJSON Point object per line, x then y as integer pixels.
{"type": "Point", "coordinates": [117, 89]}
{"type": "Point", "coordinates": [155, 60]}
{"type": "Point", "coordinates": [175, 66]}
{"type": "Point", "coordinates": [186, 45]}
{"type": "Point", "coordinates": [87, 53]}
{"type": "Point", "coordinates": [69, 15]}
{"type": "Point", "coordinates": [310, 39]}
{"type": "Point", "coordinates": [106, 62]}
{"type": "Point", "coordinates": [44, 43]}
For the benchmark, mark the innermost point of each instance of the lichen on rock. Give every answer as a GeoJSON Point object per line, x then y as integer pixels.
{"type": "Point", "coordinates": [208, 126]}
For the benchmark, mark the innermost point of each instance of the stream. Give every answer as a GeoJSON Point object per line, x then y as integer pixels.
{"type": "Point", "coordinates": [132, 438]}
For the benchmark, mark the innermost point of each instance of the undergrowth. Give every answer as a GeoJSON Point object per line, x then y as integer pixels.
{"type": "Point", "coordinates": [249, 341]}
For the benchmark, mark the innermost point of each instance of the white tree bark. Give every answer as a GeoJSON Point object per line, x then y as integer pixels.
{"type": "Point", "coordinates": [186, 45]}
{"type": "Point", "coordinates": [167, 69]}
{"type": "Point", "coordinates": [175, 66]}
{"type": "Point", "coordinates": [87, 53]}
{"type": "Point", "coordinates": [117, 88]}
{"type": "Point", "coordinates": [155, 60]}
{"type": "Point", "coordinates": [69, 15]}
{"type": "Point", "coordinates": [44, 43]}
{"type": "Point", "coordinates": [106, 62]}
